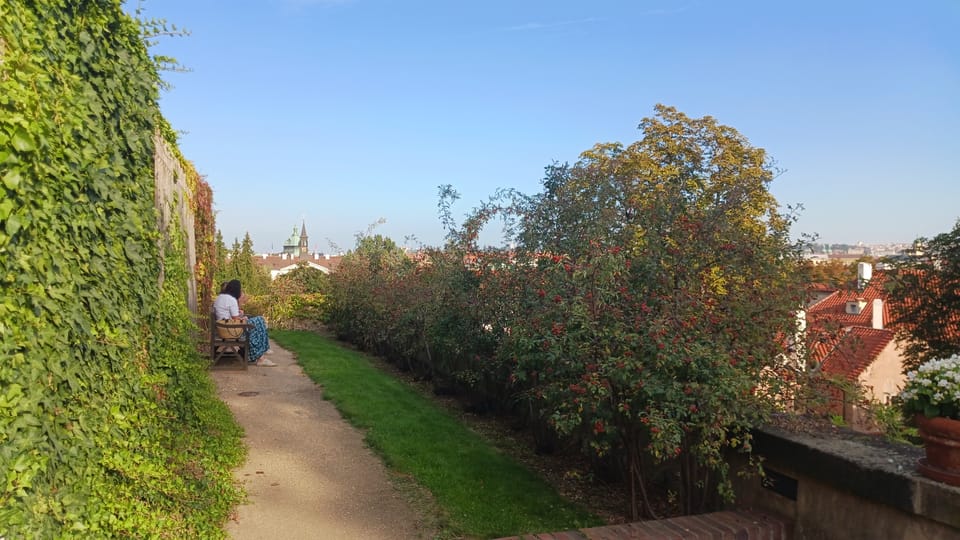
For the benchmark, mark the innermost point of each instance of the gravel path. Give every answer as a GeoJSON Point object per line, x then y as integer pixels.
{"type": "Point", "coordinates": [308, 473]}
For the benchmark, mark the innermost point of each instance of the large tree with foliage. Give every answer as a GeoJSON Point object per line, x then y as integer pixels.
{"type": "Point", "coordinates": [646, 311]}
{"type": "Point", "coordinates": [924, 290]}
{"type": "Point", "coordinates": [656, 284]}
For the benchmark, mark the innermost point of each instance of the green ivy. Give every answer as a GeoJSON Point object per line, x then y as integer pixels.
{"type": "Point", "coordinates": [106, 415]}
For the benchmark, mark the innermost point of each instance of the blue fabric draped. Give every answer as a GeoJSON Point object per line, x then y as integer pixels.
{"type": "Point", "coordinates": [259, 342]}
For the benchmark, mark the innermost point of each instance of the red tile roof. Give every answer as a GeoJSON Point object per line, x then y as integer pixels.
{"type": "Point", "coordinates": [850, 354]}
{"type": "Point", "coordinates": [276, 262]}
{"type": "Point", "coordinates": [845, 344]}
{"type": "Point", "coordinates": [821, 287]}
{"type": "Point", "coordinates": [832, 309]}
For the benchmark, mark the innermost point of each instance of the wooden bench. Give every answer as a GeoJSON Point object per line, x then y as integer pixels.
{"type": "Point", "coordinates": [229, 347]}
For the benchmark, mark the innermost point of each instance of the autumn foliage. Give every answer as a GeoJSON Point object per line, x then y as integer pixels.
{"type": "Point", "coordinates": [645, 310]}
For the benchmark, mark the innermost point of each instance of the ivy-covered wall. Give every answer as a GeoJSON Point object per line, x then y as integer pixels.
{"type": "Point", "coordinates": [109, 426]}
{"type": "Point", "coordinates": [172, 198]}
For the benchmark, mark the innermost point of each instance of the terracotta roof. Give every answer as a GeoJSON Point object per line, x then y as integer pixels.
{"type": "Point", "coordinates": [276, 262]}
{"type": "Point", "coordinates": [832, 309]}
{"type": "Point", "coordinates": [844, 344]}
{"type": "Point", "coordinates": [853, 352]}
{"type": "Point", "coordinates": [821, 287]}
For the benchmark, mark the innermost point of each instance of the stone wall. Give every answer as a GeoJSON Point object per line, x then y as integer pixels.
{"type": "Point", "coordinates": [172, 198]}
{"type": "Point", "coordinates": [844, 485]}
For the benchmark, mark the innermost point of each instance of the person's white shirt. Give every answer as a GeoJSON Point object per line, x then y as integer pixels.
{"type": "Point", "coordinates": [226, 307]}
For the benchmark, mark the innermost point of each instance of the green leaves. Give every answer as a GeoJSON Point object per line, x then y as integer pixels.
{"type": "Point", "coordinates": [923, 292]}
{"type": "Point", "coordinates": [12, 179]}
{"type": "Point", "coordinates": [22, 141]}
{"type": "Point", "coordinates": [643, 306]}
{"type": "Point", "coordinates": [12, 225]}
{"type": "Point", "coordinates": [100, 384]}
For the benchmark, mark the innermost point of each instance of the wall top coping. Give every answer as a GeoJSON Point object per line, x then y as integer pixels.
{"type": "Point", "coordinates": [867, 466]}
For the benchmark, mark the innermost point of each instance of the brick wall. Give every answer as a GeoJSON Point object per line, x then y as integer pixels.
{"type": "Point", "coordinates": [732, 525]}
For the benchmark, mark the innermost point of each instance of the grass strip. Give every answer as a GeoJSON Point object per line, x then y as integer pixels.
{"type": "Point", "coordinates": [484, 493]}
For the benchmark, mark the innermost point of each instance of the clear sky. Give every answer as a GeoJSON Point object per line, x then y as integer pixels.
{"type": "Point", "coordinates": [342, 112]}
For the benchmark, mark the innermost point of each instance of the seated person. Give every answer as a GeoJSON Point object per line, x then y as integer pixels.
{"type": "Point", "coordinates": [226, 307]}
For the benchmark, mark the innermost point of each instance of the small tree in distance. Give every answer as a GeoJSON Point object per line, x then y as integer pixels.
{"type": "Point", "coordinates": [298, 296]}
{"type": "Point", "coordinates": [239, 263]}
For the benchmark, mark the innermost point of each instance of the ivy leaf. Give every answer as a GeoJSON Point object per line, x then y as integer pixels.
{"type": "Point", "coordinates": [12, 397]}
{"type": "Point", "coordinates": [12, 179]}
{"type": "Point", "coordinates": [132, 251]}
{"type": "Point", "coordinates": [6, 207]}
{"type": "Point", "coordinates": [22, 141]}
{"type": "Point", "coordinates": [13, 225]}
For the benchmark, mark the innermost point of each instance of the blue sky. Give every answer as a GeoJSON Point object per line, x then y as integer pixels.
{"type": "Point", "coordinates": [342, 112]}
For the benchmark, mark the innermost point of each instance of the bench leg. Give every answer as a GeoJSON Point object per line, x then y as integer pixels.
{"type": "Point", "coordinates": [237, 350]}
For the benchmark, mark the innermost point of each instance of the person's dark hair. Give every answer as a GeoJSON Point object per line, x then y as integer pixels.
{"type": "Point", "coordinates": [233, 288]}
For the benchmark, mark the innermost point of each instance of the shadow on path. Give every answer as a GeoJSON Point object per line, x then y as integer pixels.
{"type": "Point", "coordinates": [308, 474]}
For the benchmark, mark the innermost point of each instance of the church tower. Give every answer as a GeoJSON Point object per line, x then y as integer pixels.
{"type": "Point", "coordinates": [291, 246]}
{"type": "Point", "coordinates": [303, 248]}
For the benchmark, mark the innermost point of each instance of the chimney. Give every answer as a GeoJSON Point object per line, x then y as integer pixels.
{"type": "Point", "coordinates": [864, 273]}
{"type": "Point", "coordinates": [327, 256]}
{"type": "Point", "coordinates": [799, 339]}
{"type": "Point", "coordinates": [878, 314]}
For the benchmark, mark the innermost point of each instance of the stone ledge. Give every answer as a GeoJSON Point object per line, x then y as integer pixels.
{"type": "Point", "coordinates": [868, 467]}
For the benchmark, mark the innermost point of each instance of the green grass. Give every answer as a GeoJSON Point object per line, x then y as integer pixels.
{"type": "Point", "coordinates": [483, 493]}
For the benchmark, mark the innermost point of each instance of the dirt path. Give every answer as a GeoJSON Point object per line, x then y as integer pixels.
{"type": "Point", "coordinates": [308, 473]}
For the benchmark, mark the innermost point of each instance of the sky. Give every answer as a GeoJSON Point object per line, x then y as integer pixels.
{"type": "Point", "coordinates": [341, 113]}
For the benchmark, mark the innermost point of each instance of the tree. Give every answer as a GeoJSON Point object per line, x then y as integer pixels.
{"type": "Point", "coordinates": [368, 276]}
{"type": "Point", "coordinates": [239, 264]}
{"type": "Point", "coordinates": [221, 273]}
{"type": "Point", "coordinates": [833, 273]}
{"type": "Point", "coordinates": [645, 312]}
{"type": "Point", "coordinates": [298, 295]}
{"type": "Point", "coordinates": [380, 253]}
{"type": "Point", "coordinates": [924, 294]}
{"type": "Point", "coordinates": [657, 283]}
{"type": "Point", "coordinates": [304, 279]}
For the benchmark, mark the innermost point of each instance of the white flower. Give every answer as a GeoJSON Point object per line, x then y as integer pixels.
{"type": "Point", "coordinates": [935, 383]}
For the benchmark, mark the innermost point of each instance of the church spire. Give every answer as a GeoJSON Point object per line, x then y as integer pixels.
{"type": "Point", "coordinates": [304, 245]}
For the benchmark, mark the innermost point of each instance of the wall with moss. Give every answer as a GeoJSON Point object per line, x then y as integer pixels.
{"type": "Point", "coordinates": [108, 423]}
